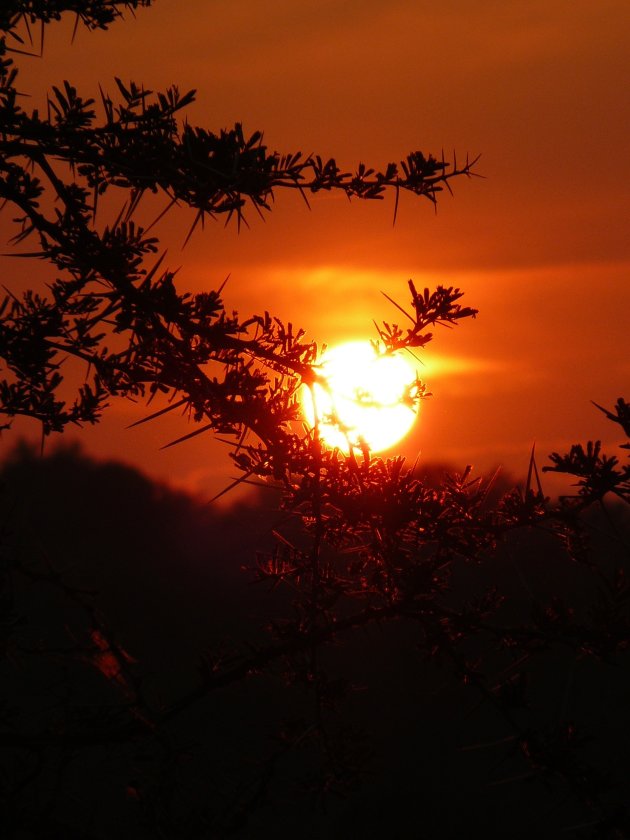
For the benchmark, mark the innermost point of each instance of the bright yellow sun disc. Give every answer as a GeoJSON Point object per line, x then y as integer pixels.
{"type": "Point", "coordinates": [364, 396]}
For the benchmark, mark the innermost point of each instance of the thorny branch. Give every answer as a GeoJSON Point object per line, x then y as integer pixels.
{"type": "Point", "coordinates": [384, 543]}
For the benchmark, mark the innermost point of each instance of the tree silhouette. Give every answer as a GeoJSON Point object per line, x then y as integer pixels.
{"type": "Point", "coordinates": [360, 541]}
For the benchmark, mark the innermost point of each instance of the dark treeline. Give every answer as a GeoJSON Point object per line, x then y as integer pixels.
{"type": "Point", "coordinates": [368, 654]}
{"type": "Point", "coordinates": [173, 581]}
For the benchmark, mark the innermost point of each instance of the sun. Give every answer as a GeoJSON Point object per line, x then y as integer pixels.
{"type": "Point", "coordinates": [364, 397]}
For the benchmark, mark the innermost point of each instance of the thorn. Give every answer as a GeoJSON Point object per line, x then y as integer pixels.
{"type": "Point", "coordinates": [188, 436]}
{"type": "Point", "coordinates": [156, 414]}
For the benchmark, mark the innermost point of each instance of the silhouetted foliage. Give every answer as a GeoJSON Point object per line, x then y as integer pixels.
{"type": "Point", "coordinates": [494, 605]}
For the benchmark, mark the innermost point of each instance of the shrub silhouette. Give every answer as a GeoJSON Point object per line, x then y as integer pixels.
{"type": "Point", "coordinates": [505, 624]}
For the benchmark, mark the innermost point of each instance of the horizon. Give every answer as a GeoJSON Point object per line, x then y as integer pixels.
{"type": "Point", "coordinates": [539, 245]}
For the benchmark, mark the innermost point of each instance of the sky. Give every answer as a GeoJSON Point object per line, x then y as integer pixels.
{"type": "Point", "coordinates": [540, 245]}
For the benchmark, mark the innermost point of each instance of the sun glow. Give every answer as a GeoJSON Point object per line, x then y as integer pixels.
{"type": "Point", "coordinates": [363, 397]}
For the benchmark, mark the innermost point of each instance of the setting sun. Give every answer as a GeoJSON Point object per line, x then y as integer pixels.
{"type": "Point", "coordinates": [363, 396]}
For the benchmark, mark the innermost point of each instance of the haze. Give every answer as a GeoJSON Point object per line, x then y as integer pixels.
{"type": "Point", "coordinates": [540, 245]}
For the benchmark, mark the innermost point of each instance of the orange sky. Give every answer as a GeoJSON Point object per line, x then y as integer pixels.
{"type": "Point", "coordinates": [541, 246]}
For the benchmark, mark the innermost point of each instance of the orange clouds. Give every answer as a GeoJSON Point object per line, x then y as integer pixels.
{"type": "Point", "coordinates": [540, 246]}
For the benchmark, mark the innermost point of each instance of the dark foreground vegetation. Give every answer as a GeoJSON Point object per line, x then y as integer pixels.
{"type": "Point", "coordinates": [121, 596]}
{"type": "Point", "coordinates": [407, 655]}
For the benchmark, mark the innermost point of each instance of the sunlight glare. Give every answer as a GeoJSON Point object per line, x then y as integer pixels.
{"type": "Point", "coordinates": [366, 397]}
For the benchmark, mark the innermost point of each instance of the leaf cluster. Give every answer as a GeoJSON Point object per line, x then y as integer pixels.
{"type": "Point", "coordinates": [365, 540]}
{"type": "Point", "coordinates": [56, 167]}
{"type": "Point", "coordinates": [598, 474]}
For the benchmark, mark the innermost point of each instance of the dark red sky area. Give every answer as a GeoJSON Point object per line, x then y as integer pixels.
{"type": "Point", "coordinates": [541, 245]}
